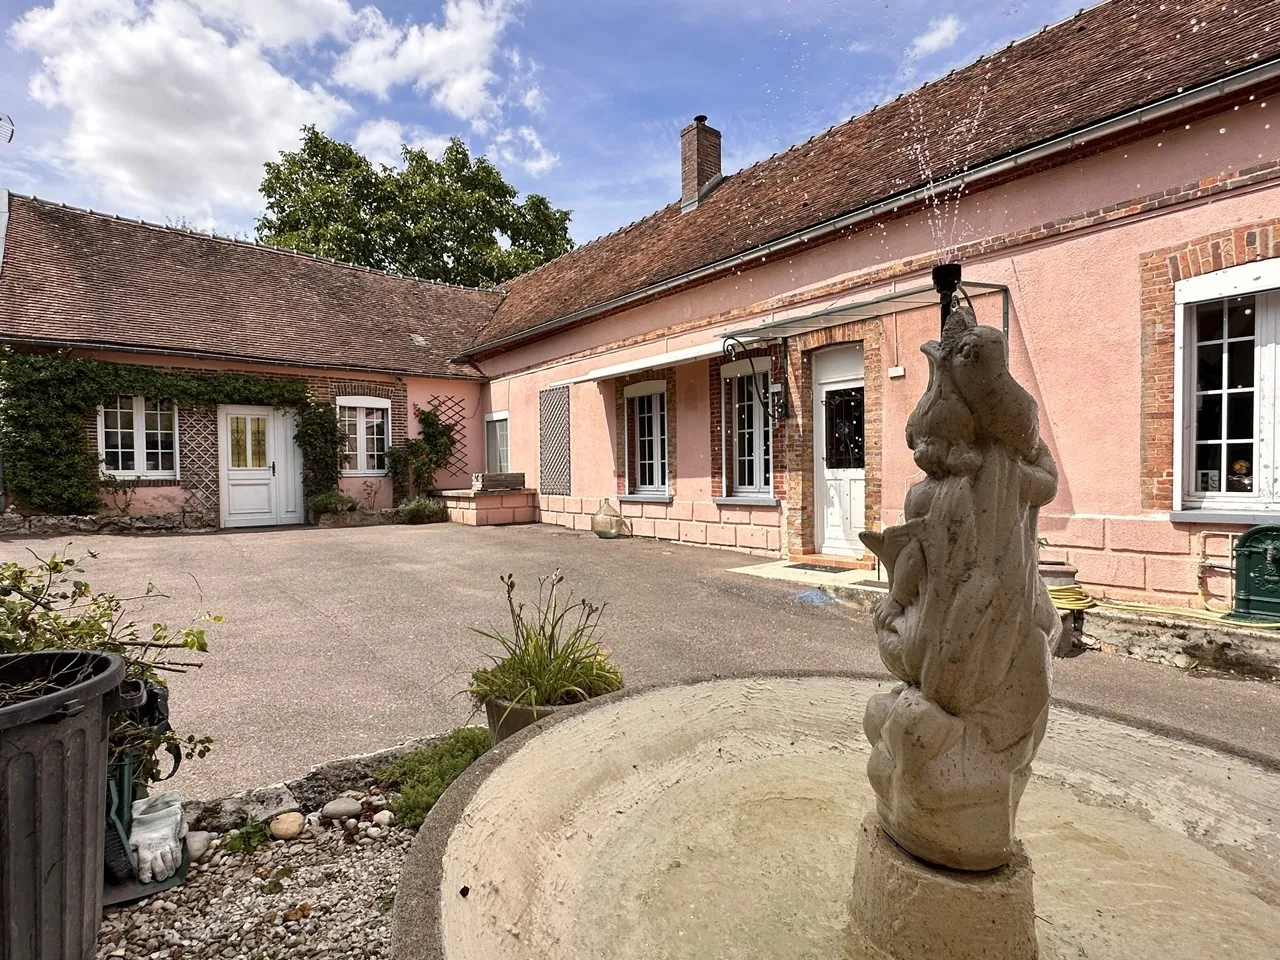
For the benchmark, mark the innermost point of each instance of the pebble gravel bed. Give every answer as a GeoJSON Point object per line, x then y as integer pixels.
{"type": "Point", "coordinates": [328, 892]}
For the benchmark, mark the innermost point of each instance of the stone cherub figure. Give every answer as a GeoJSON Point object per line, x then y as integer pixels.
{"type": "Point", "coordinates": [968, 624]}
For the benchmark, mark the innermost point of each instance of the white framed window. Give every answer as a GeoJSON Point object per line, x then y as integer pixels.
{"type": "Point", "coordinates": [367, 424]}
{"type": "Point", "coordinates": [646, 437]}
{"type": "Point", "coordinates": [750, 453]}
{"type": "Point", "coordinates": [138, 438]}
{"type": "Point", "coordinates": [1227, 374]}
{"type": "Point", "coordinates": [497, 455]}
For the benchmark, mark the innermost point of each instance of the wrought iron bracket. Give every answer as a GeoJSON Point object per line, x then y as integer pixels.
{"type": "Point", "coordinates": [775, 410]}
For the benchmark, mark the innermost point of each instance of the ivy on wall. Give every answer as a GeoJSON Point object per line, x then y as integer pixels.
{"type": "Point", "coordinates": [46, 401]}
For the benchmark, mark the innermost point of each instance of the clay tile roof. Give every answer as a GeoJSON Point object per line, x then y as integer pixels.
{"type": "Point", "coordinates": [76, 277]}
{"type": "Point", "coordinates": [1099, 64]}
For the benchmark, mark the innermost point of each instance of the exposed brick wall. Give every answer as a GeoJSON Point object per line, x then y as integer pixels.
{"type": "Point", "coordinates": [1159, 271]}
{"type": "Point", "coordinates": [396, 392]}
{"type": "Point", "coordinates": [722, 424]}
{"type": "Point", "coordinates": [800, 428]}
{"type": "Point", "coordinates": [198, 460]}
{"type": "Point", "coordinates": [624, 464]}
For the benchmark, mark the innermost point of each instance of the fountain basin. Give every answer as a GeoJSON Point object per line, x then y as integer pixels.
{"type": "Point", "coordinates": [721, 819]}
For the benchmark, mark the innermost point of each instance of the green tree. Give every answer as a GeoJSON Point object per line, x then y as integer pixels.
{"type": "Point", "coordinates": [454, 219]}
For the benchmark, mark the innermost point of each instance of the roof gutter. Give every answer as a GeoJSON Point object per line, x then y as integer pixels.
{"type": "Point", "coordinates": [1260, 73]}
{"type": "Point", "coordinates": [226, 358]}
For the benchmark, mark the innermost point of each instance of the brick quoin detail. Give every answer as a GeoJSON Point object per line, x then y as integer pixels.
{"type": "Point", "coordinates": [1159, 271]}
{"type": "Point", "coordinates": [626, 428]}
{"type": "Point", "coordinates": [801, 480]}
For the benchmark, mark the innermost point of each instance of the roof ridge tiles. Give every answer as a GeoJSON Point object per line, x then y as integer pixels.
{"type": "Point", "coordinates": [247, 244]}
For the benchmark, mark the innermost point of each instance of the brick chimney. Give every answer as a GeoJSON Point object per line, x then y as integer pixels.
{"type": "Point", "coordinates": [699, 161]}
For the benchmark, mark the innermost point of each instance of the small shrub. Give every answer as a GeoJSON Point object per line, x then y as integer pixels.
{"type": "Point", "coordinates": [251, 836]}
{"type": "Point", "coordinates": [422, 776]}
{"type": "Point", "coordinates": [550, 658]}
{"type": "Point", "coordinates": [332, 501]}
{"type": "Point", "coordinates": [423, 510]}
{"type": "Point", "coordinates": [49, 607]}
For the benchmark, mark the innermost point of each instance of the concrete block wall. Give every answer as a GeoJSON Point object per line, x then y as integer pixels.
{"type": "Point", "coordinates": [491, 509]}
{"type": "Point", "coordinates": [1149, 559]}
{"type": "Point", "coordinates": [751, 529]}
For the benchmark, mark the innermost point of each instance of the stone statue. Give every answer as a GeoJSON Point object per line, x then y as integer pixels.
{"type": "Point", "coordinates": [967, 625]}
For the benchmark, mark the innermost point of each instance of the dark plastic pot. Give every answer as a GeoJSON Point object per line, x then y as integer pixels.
{"type": "Point", "coordinates": [506, 718]}
{"type": "Point", "coordinates": [53, 781]}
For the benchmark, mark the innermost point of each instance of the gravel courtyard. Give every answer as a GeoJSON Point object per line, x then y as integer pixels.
{"type": "Point", "coordinates": [339, 642]}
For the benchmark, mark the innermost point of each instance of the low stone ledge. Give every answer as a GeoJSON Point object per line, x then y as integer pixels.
{"type": "Point", "coordinates": [1184, 643]}
{"type": "Point", "coordinates": [1180, 642]}
{"type": "Point", "coordinates": [16, 525]}
{"type": "Point", "coordinates": [304, 794]}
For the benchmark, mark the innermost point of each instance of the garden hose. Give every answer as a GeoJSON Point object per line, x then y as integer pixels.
{"type": "Point", "coordinates": [1074, 597]}
{"type": "Point", "coordinates": [1071, 597]}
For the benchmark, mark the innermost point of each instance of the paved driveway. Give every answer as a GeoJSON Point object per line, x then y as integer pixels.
{"type": "Point", "coordinates": [344, 641]}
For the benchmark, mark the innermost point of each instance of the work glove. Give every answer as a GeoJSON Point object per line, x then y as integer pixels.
{"type": "Point", "coordinates": [156, 836]}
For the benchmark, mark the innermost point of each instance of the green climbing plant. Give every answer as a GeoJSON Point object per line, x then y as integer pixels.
{"type": "Point", "coordinates": [323, 443]}
{"type": "Point", "coordinates": [413, 464]}
{"type": "Point", "coordinates": [47, 400]}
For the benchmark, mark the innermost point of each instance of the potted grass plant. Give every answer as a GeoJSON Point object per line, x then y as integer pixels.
{"type": "Point", "coordinates": [549, 659]}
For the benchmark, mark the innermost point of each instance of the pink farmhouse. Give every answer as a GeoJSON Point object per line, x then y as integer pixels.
{"type": "Point", "coordinates": [1115, 204]}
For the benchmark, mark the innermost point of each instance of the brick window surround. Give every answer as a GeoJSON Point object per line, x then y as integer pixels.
{"type": "Point", "coordinates": [1160, 270]}
{"type": "Point", "coordinates": [626, 428]}
{"type": "Point", "coordinates": [801, 480]}
{"type": "Point", "coordinates": [722, 427]}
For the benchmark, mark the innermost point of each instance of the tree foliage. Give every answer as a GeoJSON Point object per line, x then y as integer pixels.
{"type": "Point", "coordinates": [455, 219]}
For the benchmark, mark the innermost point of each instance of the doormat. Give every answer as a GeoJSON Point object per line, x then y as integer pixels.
{"type": "Point", "coordinates": [817, 568]}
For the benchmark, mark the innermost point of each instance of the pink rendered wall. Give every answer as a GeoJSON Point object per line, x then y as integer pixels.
{"type": "Point", "coordinates": [379, 487]}
{"type": "Point", "coordinates": [149, 501]}
{"type": "Point", "coordinates": [1086, 281]}
{"type": "Point", "coordinates": [421, 392]}
{"type": "Point", "coordinates": [693, 436]}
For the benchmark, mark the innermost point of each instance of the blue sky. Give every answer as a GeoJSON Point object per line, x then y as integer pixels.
{"type": "Point", "coordinates": [167, 109]}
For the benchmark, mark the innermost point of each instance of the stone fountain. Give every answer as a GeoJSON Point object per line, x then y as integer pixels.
{"type": "Point", "coordinates": [967, 626]}
{"type": "Point", "coordinates": [750, 818]}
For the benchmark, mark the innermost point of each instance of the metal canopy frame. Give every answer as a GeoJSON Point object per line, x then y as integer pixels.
{"type": "Point", "coordinates": [913, 299]}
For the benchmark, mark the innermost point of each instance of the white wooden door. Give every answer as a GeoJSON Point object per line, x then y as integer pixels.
{"type": "Point", "coordinates": [839, 450]}
{"type": "Point", "coordinates": [260, 469]}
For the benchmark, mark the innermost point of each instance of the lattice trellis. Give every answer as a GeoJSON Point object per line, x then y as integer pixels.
{"type": "Point", "coordinates": [553, 442]}
{"type": "Point", "coordinates": [451, 410]}
{"type": "Point", "coordinates": [198, 439]}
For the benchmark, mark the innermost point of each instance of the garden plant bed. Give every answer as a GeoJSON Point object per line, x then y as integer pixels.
{"type": "Point", "coordinates": [324, 889]}
{"type": "Point", "coordinates": [327, 893]}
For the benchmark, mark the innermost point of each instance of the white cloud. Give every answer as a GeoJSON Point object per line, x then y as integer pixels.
{"type": "Point", "coordinates": [452, 61]}
{"type": "Point", "coordinates": [523, 146]}
{"type": "Point", "coordinates": [278, 23]}
{"type": "Point", "coordinates": [859, 46]}
{"type": "Point", "coordinates": [942, 33]}
{"type": "Point", "coordinates": [532, 99]}
{"type": "Point", "coordinates": [165, 114]}
{"type": "Point", "coordinates": [170, 108]}
{"type": "Point", "coordinates": [380, 140]}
